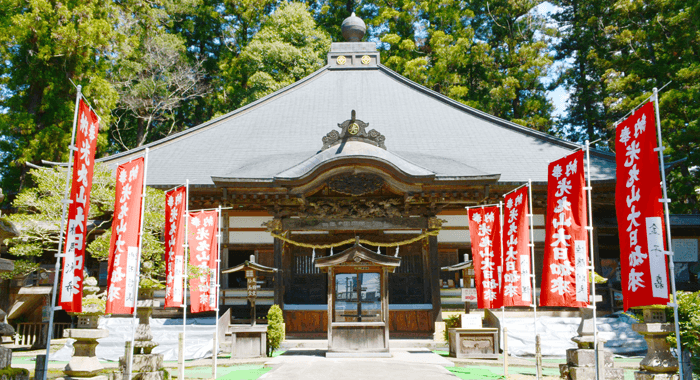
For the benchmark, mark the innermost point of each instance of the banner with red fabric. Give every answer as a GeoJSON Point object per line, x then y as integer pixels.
{"type": "Point", "coordinates": [175, 202]}
{"type": "Point", "coordinates": [71, 294]}
{"type": "Point", "coordinates": [640, 214]}
{"type": "Point", "coordinates": [204, 251]}
{"type": "Point", "coordinates": [124, 245]}
{"type": "Point", "coordinates": [485, 234]}
{"type": "Point", "coordinates": [517, 289]}
{"type": "Point", "coordinates": [564, 273]}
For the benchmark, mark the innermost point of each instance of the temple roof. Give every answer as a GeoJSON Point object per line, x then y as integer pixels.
{"type": "Point", "coordinates": [426, 134]}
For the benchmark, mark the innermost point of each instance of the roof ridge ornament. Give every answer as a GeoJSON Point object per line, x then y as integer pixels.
{"type": "Point", "coordinates": [353, 129]}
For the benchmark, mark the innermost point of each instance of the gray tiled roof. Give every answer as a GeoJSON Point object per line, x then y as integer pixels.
{"type": "Point", "coordinates": [430, 131]}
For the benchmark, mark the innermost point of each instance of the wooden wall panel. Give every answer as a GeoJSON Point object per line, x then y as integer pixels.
{"type": "Point", "coordinates": [411, 321]}
{"type": "Point", "coordinates": [306, 321]}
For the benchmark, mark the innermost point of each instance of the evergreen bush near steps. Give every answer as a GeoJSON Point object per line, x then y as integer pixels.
{"type": "Point", "coordinates": [275, 329]}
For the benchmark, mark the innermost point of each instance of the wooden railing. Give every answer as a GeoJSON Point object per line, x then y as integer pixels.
{"type": "Point", "coordinates": [27, 333]}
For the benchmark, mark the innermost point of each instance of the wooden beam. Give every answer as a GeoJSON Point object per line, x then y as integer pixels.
{"type": "Point", "coordinates": [329, 224]}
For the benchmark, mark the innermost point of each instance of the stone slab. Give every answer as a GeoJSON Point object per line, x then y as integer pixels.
{"type": "Point", "coordinates": [643, 375]}
{"type": "Point", "coordinates": [144, 363]}
{"type": "Point", "coordinates": [579, 357]}
{"type": "Point", "coordinates": [358, 354]}
{"type": "Point", "coordinates": [588, 373]}
{"type": "Point", "coordinates": [85, 333]}
{"type": "Point", "coordinates": [83, 366]}
{"type": "Point", "coordinates": [156, 375]}
{"type": "Point", "coordinates": [100, 377]}
{"type": "Point", "coordinates": [5, 357]}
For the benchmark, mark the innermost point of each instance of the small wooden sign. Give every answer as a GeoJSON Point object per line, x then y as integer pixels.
{"type": "Point", "coordinates": [252, 287]}
{"type": "Point", "coordinates": [250, 273]}
{"type": "Point", "coordinates": [469, 295]}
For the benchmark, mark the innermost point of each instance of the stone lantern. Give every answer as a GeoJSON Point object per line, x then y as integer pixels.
{"type": "Point", "coordinates": [659, 363]}
{"type": "Point", "coordinates": [84, 363]}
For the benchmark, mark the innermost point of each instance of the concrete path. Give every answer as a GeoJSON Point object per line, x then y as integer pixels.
{"type": "Point", "coordinates": [405, 364]}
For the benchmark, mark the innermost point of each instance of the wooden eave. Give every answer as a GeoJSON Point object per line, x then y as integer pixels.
{"type": "Point", "coordinates": [249, 265]}
{"type": "Point", "coordinates": [357, 251]}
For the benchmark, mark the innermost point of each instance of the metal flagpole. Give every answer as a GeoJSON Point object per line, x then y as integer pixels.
{"type": "Point", "coordinates": [186, 262]}
{"type": "Point", "coordinates": [215, 354]}
{"type": "Point", "coordinates": [591, 267]}
{"type": "Point", "coordinates": [59, 254]}
{"type": "Point", "coordinates": [500, 285]}
{"type": "Point", "coordinates": [669, 252]}
{"type": "Point", "coordinates": [138, 265]}
{"type": "Point", "coordinates": [532, 260]}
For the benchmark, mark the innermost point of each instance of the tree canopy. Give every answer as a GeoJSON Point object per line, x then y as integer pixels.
{"type": "Point", "coordinates": [155, 68]}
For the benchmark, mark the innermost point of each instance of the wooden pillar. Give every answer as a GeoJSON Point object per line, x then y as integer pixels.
{"type": "Point", "coordinates": [224, 251]}
{"type": "Point", "coordinates": [331, 291]}
{"type": "Point", "coordinates": [384, 289]}
{"type": "Point", "coordinates": [279, 285]}
{"type": "Point", "coordinates": [427, 274]}
{"type": "Point", "coordinates": [434, 275]}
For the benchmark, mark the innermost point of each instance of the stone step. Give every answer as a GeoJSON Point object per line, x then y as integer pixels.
{"type": "Point", "coordinates": [393, 343]}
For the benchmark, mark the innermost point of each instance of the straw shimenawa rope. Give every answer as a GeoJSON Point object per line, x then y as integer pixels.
{"type": "Point", "coordinates": [352, 240]}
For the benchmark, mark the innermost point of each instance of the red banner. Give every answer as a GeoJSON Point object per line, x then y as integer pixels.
{"type": "Point", "coordinates": [485, 234]}
{"type": "Point", "coordinates": [640, 214]}
{"type": "Point", "coordinates": [204, 252]}
{"type": "Point", "coordinates": [124, 246]}
{"type": "Point", "coordinates": [71, 299]}
{"type": "Point", "coordinates": [517, 290]}
{"type": "Point", "coordinates": [175, 202]}
{"type": "Point", "coordinates": [564, 273]}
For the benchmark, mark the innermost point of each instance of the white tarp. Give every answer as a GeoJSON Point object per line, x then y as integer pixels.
{"type": "Point", "coordinates": [556, 333]}
{"type": "Point", "coordinates": [199, 339]}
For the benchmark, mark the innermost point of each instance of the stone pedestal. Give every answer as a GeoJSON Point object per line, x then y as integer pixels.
{"type": "Point", "coordinates": [659, 364]}
{"type": "Point", "coordinates": [84, 364]}
{"type": "Point", "coordinates": [580, 362]}
{"type": "Point", "coordinates": [146, 366]}
{"type": "Point", "coordinates": [474, 343]}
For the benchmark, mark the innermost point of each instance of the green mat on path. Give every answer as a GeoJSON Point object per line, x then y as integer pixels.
{"type": "Point", "coordinates": [238, 372]}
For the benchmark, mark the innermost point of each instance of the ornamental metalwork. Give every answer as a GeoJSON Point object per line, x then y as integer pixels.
{"type": "Point", "coordinates": [353, 130]}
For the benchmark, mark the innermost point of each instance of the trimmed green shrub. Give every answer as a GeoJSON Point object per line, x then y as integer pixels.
{"type": "Point", "coordinates": [451, 322]}
{"type": "Point", "coordinates": [275, 329]}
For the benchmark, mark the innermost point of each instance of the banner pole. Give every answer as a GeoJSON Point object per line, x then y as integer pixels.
{"type": "Point", "coordinates": [59, 253]}
{"type": "Point", "coordinates": [669, 252]}
{"type": "Point", "coordinates": [500, 285]}
{"type": "Point", "coordinates": [138, 266]}
{"type": "Point", "coordinates": [532, 260]}
{"type": "Point", "coordinates": [589, 230]}
{"type": "Point", "coordinates": [185, 263]}
{"type": "Point", "coordinates": [215, 354]}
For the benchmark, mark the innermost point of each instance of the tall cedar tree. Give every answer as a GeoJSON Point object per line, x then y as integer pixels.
{"type": "Point", "coordinates": [45, 44]}
{"type": "Point", "coordinates": [652, 43]}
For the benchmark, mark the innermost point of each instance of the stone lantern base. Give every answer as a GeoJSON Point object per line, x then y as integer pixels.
{"type": "Point", "coordinates": [84, 364]}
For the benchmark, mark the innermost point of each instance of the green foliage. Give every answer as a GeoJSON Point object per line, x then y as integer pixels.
{"type": "Point", "coordinates": [38, 215]}
{"type": "Point", "coordinates": [275, 329]}
{"type": "Point", "coordinates": [451, 322]}
{"type": "Point", "coordinates": [43, 45]}
{"type": "Point", "coordinates": [689, 325]}
{"type": "Point", "coordinates": [287, 48]}
{"type": "Point", "coordinates": [152, 254]}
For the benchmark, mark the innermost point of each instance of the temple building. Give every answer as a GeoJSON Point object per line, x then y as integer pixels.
{"type": "Point", "coordinates": [356, 150]}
